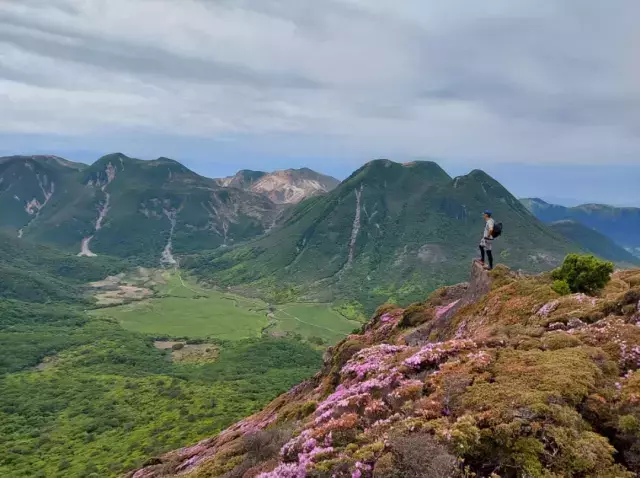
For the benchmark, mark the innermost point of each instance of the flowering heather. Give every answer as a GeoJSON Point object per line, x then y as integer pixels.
{"type": "Point", "coordinates": [286, 470]}
{"type": "Point", "coordinates": [479, 359]}
{"type": "Point", "coordinates": [547, 309]}
{"type": "Point", "coordinates": [442, 392]}
{"type": "Point", "coordinates": [583, 298]}
{"type": "Point", "coordinates": [372, 359]}
{"type": "Point", "coordinates": [388, 317]}
{"type": "Point", "coordinates": [629, 355]}
{"type": "Point", "coordinates": [432, 354]}
{"type": "Point", "coordinates": [462, 328]}
{"type": "Point", "coordinates": [442, 310]}
{"type": "Point", "coordinates": [339, 401]}
{"type": "Point", "coordinates": [359, 469]}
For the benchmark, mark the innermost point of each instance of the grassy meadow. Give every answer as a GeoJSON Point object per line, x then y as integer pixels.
{"type": "Point", "coordinates": [184, 309]}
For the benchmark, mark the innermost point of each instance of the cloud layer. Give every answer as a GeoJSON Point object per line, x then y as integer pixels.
{"type": "Point", "coordinates": [491, 81]}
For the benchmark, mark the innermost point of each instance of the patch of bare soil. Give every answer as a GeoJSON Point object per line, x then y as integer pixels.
{"type": "Point", "coordinates": [109, 281]}
{"type": "Point", "coordinates": [189, 353]}
{"type": "Point", "coordinates": [123, 288]}
{"type": "Point", "coordinates": [46, 363]}
{"type": "Point", "coordinates": [122, 294]}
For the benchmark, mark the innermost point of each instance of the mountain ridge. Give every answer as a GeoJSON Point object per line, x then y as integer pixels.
{"type": "Point", "coordinates": [288, 186]}
{"type": "Point", "coordinates": [128, 207]}
{"type": "Point", "coordinates": [621, 224]}
{"type": "Point", "coordinates": [499, 376]}
{"type": "Point", "coordinates": [594, 242]}
{"type": "Point", "coordinates": [389, 231]}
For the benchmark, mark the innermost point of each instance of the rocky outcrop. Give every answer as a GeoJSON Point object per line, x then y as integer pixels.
{"type": "Point", "coordinates": [499, 389]}
{"type": "Point", "coordinates": [282, 187]}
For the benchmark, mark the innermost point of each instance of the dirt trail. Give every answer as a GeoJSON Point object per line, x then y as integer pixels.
{"type": "Point", "coordinates": [307, 323]}
{"type": "Point", "coordinates": [184, 284]}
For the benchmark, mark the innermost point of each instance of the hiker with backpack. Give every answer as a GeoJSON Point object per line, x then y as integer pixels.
{"type": "Point", "coordinates": [491, 231]}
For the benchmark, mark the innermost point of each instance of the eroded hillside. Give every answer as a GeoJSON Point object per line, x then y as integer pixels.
{"type": "Point", "coordinates": [496, 377]}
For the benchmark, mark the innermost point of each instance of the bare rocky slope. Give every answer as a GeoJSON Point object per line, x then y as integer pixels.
{"type": "Point", "coordinates": [496, 377]}
{"type": "Point", "coordinates": [289, 186]}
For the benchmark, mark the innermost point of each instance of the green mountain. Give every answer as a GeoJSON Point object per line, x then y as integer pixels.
{"type": "Point", "coordinates": [30, 184]}
{"type": "Point", "coordinates": [594, 242]}
{"type": "Point", "coordinates": [126, 207]}
{"type": "Point", "coordinates": [388, 232]}
{"type": "Point", "coordinates": [620, 224]}
{"type": "Point", "coordinates": [39, 273]}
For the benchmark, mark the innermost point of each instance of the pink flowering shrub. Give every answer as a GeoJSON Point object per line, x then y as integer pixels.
{"type": "Point", "coordinates": [388, 317]}
{"type": "Point", "coordinates": [372, 359]}
{"type": "Point", "coordinates": [433, 354]}
{"type": "Point", "coordinates": [548, 308]}
{"type": "Point", "coordinates": [360, 469]}
{"type": "Point", "coordinates": [585, 299]}
{"type": "Point", "coordinates": [479, 360]}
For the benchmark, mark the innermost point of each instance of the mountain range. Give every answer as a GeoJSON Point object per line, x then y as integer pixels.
{"type": "Point", "coordinates": [620, 224]}
{"type": "Point", "coordinates": [147, 210]}
{"type": "Point", "coordinates": [390, 231]}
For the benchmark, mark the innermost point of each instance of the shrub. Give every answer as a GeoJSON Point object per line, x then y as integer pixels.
{"type": "Point", "coordinates": [416, 314]}
{"type": "Point", "coordinates": [317, 340]}
{"type": "Point", "coordinates": [417, 455]}
{"type": "Point", "coordinates": [561, 287]}
{"type": "Point", "coordinates": [583, 273]}
{"type": "Point", "coordinates": [178, 346]}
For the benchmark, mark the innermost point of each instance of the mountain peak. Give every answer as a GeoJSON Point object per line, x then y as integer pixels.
{"type": "Point", "coordinates": [289, 186]}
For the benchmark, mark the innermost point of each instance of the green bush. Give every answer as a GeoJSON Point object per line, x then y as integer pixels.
{"type": "Point", "coordinates": [561, 287]}
{"type": "Point", "coordinates": [584, 273]}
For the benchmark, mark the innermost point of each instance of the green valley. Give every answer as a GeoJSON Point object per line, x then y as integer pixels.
{"type": "Point", "coordinates": [183, 309]}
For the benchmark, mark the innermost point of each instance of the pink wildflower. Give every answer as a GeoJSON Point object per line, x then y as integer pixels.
{"type": "Point", "coordinates": [546, 309]}
{"type": "Point", "coordinates": [386, 318]}
{"type": "Point", "coordinates": [432, 354]}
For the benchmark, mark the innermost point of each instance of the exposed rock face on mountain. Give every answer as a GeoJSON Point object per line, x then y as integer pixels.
{"type": "Point", "coordinates": [127, 207]}
{"type": "Point", "coordinates": [594, 242]}
{"type": "Point", "coordinates": [620, 224]}
{"type": "Point", "coordinates": [282, 187]}
{"type": "Point", "coordinates": [390, 231]}
{"type": "Point", "coordinates": [497, 377]}
{"type": "Point", "coordinates": [28, 184]}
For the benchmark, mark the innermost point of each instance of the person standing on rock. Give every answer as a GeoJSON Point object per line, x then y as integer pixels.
{"type": "Point", "coordinates": [486, 244]}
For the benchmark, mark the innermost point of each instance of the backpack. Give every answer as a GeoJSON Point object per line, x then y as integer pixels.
{"type": "Point", "coordinates": [497, 230]}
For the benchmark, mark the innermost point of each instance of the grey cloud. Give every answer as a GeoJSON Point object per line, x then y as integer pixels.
{"type": "Point", "coordinates": [455, 79]}
{"type": "Point", "coordinates": [112, 54]}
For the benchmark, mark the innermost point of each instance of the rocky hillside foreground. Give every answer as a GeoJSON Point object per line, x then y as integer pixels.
{"type": "Point", "coordinates": [496, 377]}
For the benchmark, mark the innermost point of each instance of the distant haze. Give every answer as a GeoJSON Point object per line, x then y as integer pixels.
{"type": "Point", "coordinates": [520, 88]}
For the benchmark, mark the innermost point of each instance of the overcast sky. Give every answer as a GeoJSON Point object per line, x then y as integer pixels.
{"type": "Point", "coordinates": [515, 87]}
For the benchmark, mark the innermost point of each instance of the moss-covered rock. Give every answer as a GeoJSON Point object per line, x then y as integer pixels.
{"type": "Point", "coordinates": [417, 314]}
